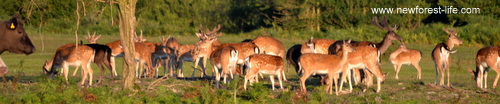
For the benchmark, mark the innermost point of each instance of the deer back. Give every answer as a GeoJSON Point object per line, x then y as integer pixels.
{"type": "Point", "coordinates": [269, 45]}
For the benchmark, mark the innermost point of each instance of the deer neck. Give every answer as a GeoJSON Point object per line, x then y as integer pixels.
{"type": "Point", "coordinates": [384, 45]}
{"type": "Point", "coordinates": [450, 44]}
{"type": "Point", "coordinates": [343, 57]}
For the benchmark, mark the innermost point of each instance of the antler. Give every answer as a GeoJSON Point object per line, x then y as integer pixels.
{"type": "Point", "coordinates": [383, 24]}
{"type": "Point", "coordinates": [450, 31]}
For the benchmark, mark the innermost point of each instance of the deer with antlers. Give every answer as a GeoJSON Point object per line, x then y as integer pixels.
{"type": "Point", "coordinates": [102, 54]}
{"type": "Point", "coordinates": [209, 42]}
{"type": "Point", "coordinates": [403, 55]}
{"type": "Point", "coordinates": [332, 65]}
{"type": "Point", "coordinates": [70, 55]}
{"type": "Point", "coordinates": [487, 58]}
{"type": "Point", "coordinates": [441, 55]}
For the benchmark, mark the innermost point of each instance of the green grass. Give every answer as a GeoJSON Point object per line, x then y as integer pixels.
{"type": "Point", "coordinates": [29, 85]}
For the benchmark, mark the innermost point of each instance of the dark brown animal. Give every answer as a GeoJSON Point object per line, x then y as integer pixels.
{"type": "Point", "coordinates": [13, 37]}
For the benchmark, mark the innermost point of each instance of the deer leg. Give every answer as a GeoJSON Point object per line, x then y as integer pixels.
{"type": "Point", "coordinates": [419, 70]}
{"type": "Point", "coordinates": [480, 76]}
{"type": "Point", "coordinates": [284, 76]}
{"type": "Point", "coordinates": [398, 68]}
{"type": "Point", "coordinates": [486, 79]}
{"type": "Point", "coordinates": [217, 76]}
{"type": "Point", "coordinates": [65, 72]}
{"type": "Point", "coordinates": [271, 77]}
{"type": "Point", "coordinates": [84, 75]}
{"type": "Point", "coordinates": [438, 68]}
{"type": "Point", "coordinates": [496, 78]}
{"type": "Point", "coordinates": [76, 70]}
{"type": "Point", "coordinates": [90, 73]}
{"type": "Point", "coordinates": [4, 79]}
{"type": "Point", "coordinates": [203, 74]}
{"type": "Point", "coordinates": [303, 79]}
{"type": "Point", "coordinates": [113, 66]}
{"type": "Point", "coordinates": [280, 80]}
{"type": "Point", "coordinates": [102, 72]}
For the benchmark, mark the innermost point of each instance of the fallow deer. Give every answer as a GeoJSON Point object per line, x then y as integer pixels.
{"type": "Point", "coordinates": [316, 46]}
{"type": "Point", "coordinates": [224, 59]}
{"type": "Point", "coordinates": [71, 55]}
{"type": "Point", "coordinates": [209, 42]}
{"type": "Point", "coordinates": [269, 45]}
{"type": "Point", "coordinates": [330, 65]}
{"type": "Point", "coordinates": [404, 55]}
{"type": "Point", "coordinates": [264, 64]}
{"type": "Point", "coordinates": [441, 55]}
{"type": "Point", "coordinates": [487, 58]}
{"type": "Point", "coordinates": [102, 55]}
{"type": "Point", "coordinates": [116, 51]}
{"type": "Point", "coordinates": [183, 53]}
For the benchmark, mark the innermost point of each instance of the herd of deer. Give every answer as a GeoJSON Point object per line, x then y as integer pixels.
{"type": "Point", "coordinates": [334, 61]}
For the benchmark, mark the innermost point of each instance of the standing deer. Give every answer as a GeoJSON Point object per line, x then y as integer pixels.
{"type": "Point", "coordinates": [116, 51]}
{"type": "Point", "coordinates": [487, 58]}
{"type": "Point", "coordinates": [224, 59]}
{"type": "Point", "coordinates": [209, 42]}
{"type": "Point", "coordinates": [71, 55]}
{"type": "Point", "coordinates": [441, 55]}
{"type": "Point", "coordinates": [264, 64]}
{"type": "Point", "coordinates": [331, 65]}
{"type": "Point", "coordinates": [183, 52]}
{"type": "Point", "coordinates": [292, 57]}
{"type": "Point", "coordinates": [404, 55]}
{"type": "Point", "coordinates": [102, 55]}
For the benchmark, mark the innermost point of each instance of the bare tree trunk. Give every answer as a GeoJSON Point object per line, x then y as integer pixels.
{"type": "Point", "coordinates": [127, 29]}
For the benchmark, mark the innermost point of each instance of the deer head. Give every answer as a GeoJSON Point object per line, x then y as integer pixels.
{"type": "Point", "coordinates": [452, 37]}
{"type": "Point", "coordinates": [92, 39]}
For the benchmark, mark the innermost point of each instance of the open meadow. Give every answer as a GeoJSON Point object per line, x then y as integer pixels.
{"type": "Point", "coordinates": [28, 84]}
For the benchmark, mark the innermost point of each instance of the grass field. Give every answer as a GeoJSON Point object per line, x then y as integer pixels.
{"type": "Point", "coordinates": [28, 84]}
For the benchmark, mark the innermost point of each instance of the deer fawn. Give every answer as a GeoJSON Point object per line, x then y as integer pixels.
{"type": "Point", "coordinates": [404, 55]}
{"type": "Point", "coordinates": [332, 65]}
{"type": "Point", "coordinates": [486, 58]}
{"type": "Point", "coordinates": [441, 55]}
{"type": "Point", "coordinates": [264, 64]}
{"type": "Point", "coordinates": [70, 55]}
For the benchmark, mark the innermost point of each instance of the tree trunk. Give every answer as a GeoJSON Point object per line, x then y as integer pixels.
{"type": "Point", "coordinates": [127, 30]}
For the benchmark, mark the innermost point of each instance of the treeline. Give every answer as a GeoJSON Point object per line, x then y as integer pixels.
{"type": "Point", "coordinates": [320, 18]}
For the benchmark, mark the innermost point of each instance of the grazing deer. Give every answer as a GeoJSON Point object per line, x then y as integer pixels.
{"type": "Point", "coordinates": [330, 65]}
{"type": "Point", "coordinates": [404, 55]}
{"type": "Point", "coordinates": [224, 59]}
{"type": "Point", "coordinates": [102, 55]}
{"type": "Point", "coordinates": [487, 58]}
{"type": "Point", "coordinates": [269, 45]}
{"type": "Point", "coordinates": [316, 46]}
{"type": "Point", "coordinates": [3, 70]}
{"type": "Point", "coordinates": [264, 64]}
{"type": "Point", "coordinates": [143, 56]}
{"type": "Point", "coordinates": [441, 55]}
{"type": "Point", "coordinates": [71, 55]}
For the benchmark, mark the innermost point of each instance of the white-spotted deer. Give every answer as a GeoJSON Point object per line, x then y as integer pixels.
{"type": "Point", "coordinates": [224, 59]}
{"type": "Point", "coordinates": [71, 55]}
{"type": "Point", "coordinates": [404, 55]}
{"type": "Point", "coordinates": [102, 55]}
{"type": "Point", "coordinates": [325, 64]}
{"type": "Point", "coordinates": [264, 64]}
{"type": "Point", "coordinates": [487, 58]}
{"type": "Point", "coordinates": [441, 55]}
